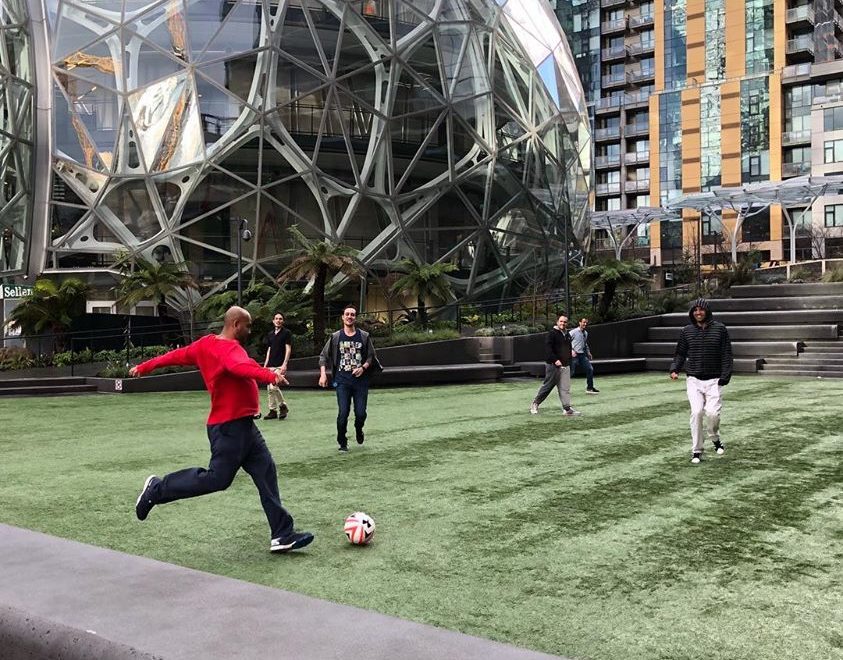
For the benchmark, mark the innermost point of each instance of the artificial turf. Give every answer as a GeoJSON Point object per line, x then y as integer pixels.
{"type": "Point", "coordinates": [590, 537]}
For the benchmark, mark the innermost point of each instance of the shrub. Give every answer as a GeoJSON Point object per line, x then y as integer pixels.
{"type": "Point", "coordinates": [834, 274]}
{"type": "Point", "coordinates": [419, 337]}
{"type": "Point", "coordinates": [508, 330]}
{"type": "Point", "coordinates": [15, 357]}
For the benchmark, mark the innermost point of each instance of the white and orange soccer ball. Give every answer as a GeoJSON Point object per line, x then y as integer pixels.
{"type": "Point", "coordinates": [359, 528]}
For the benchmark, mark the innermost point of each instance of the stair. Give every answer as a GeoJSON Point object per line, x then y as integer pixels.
{"type": "Point", "coordinates": [514, 371]}
{"type": "Point", "coordinates": [822, 359]}
{"type": "Point", "coordinates": [485, 356]}
{"type": "Point", "coordinates": [45, 386]}
{"type": "Point", "coordinates": [776, 329]}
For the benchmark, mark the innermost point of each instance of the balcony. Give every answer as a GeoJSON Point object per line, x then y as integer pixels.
{"type": "Point", "coordinates": [800, 45]}
{"type": "Point", "coordinates": [637, 186]}
{"type": "Point", "coordinates": [607, 161]}
{"type": "Point", "coordinates": [613, 53]}
{"type": "Point", "coordinates": [612, 3]}
{"type": "Point", "coordinates": [638, 128]}
{"type": "Point", "coordinates": [800, 15]}
{"type": "Point", "coordinates": [608, 104]}
{"type": "Point", "coordinates": [639, 48]}
{"type": "Point", "coordinates": [634, 157]}
{"type": "Point", "coordinates": [636, 77]}
{"type": "Point", "coordinates": [795, 169]}
{"type": "Point", "coordinates": [610, 133]}
{"type": "Point", "coordinates": [796, 72]}
{"type": "Point", "coordinates": [791, 138]}
{"type": "Point", "coordinates": [614, 80]}
{"type": "Point", "coordinates": [608, 188]}
{"type": "Point", "coordinates": [636, 99]}
{"type": "Point", "coordinates": [638, 22]}
{"type": "Point", "coordinates": [616, 25]}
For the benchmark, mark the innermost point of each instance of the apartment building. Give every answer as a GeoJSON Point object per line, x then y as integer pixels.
{"type": "Point", "coordinates": [688, 95]}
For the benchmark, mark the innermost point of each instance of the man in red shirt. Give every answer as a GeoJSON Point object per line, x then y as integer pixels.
{"type": "Point", "coordinates": [230, 375]}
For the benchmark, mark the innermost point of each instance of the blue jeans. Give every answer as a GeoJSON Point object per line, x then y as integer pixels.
{"type": "Point", "coordinates": [582, 361]}
{"type": "Point", "coordinates": [356, 389]}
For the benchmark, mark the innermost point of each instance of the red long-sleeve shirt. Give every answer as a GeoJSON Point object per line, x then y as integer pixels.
{"type": "Point", "coordinates": [228, 371]}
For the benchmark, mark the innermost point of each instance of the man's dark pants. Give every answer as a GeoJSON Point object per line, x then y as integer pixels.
{"type": "Point", "coordinates": [234, 444]}
{"type": "Point", "coordinates": [582, 361]}
{"type": "Point", "coordinates": [348, 389]}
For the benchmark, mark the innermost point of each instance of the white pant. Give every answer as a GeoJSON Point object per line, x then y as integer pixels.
{"type": "Point", "coordinates": [276, 398]}
{"type": "Point", "coordinates": [704, 396]}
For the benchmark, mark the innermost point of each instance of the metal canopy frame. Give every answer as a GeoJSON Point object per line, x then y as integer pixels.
{"type": "Point", "coordinates": [613, 221]}
{"type": "Point", "coordinates": [746, 201]}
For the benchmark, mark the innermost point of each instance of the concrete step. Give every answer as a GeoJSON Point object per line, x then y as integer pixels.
{"type": "Point", "coordinates": [31, 382]}
{"type": "Point", "coordinates": [739, 365]}
{"type": "Point", "coordinates": [786, 290]}
{"type": "Point", "coordinates": [47, 390]}
{"type": "Point", "coordinates": [803, 362]}
{"type": "Point", "coordinates": [808, 373]}
{"type": "Point", "coordinates": [756, 332]}
{"type": "Point", "coordinates": [791, 317]}
{"type": "Point", "coordinates": [780, 304]}
{"type": "Point", "coordinates": [739, 348]}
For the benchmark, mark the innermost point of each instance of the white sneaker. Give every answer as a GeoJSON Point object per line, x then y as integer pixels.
{"type": "Point", "coordinates": [534, 408]}
{"type": "Point", "coordinates": [696, 458]}
{"type": "Point", "coordinates": [719, 448]}
{"type": "Point", "coordinates": [570, 412]}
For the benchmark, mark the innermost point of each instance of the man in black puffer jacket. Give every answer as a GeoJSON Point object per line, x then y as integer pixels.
{"type": "Point", "coordinates": [705, 350]}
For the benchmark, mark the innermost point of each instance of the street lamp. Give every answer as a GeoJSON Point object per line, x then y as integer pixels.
{"type": "Point", "coordinates": [243, 234]}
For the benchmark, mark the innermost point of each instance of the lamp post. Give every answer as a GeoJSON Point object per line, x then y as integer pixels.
{"type": "Point", "coordinates": [243, 234]}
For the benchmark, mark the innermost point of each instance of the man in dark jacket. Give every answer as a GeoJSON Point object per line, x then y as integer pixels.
{"type": "Point", "coordinates": [350, 354]}
{"type": "Point", "coordinates": [705, 350]}
{"type": "Point", "coordinates": [557, 371]}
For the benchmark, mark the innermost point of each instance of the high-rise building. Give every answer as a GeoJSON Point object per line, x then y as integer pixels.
{"type": "Point", "coordinates": [687, 95]}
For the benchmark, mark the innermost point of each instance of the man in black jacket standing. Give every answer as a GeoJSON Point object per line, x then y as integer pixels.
{"type": "Point", "coordinates": [705, 350]}
{"type": "Point", "coordinates": [557, 371]}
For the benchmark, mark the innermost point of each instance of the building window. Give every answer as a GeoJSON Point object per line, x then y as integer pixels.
{"type": "Point", "coordinates": [833, 151]}
{"type": "Point", "coordinates": [675, 44]}
{"type": "Point", "coordinates": [834, 215]}
{"type": "Point", "coordinates": [833, 119]}
{"type": "Point", "coordinates": [759, 36]}
{"type": "Point", "coordinates": [755, 130]}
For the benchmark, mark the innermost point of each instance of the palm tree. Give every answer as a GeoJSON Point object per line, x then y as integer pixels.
{"type": "Point", "coordinates": [145, 280]}
{"type": "Point", "coordinates": [318, 260]}
{"type": "Point", "coordinates": [610, 275]}
{"type": "Point", "coordinates": [424, 281]}
{"type": "Point", "coordinates": [52, 307]}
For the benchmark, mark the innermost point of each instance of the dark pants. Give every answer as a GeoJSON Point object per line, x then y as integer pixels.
{"type": "Point", "coordinates": [356, 389]}
{"type": "Point", "coordinates": [234, 444]}
{"type": "Point", "coordinates": [582, 361]}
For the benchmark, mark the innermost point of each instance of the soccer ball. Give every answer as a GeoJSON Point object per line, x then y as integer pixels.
{"type": "Point", "coordinates": [359, 528]}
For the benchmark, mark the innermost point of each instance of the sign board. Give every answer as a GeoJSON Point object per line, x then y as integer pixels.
{"type": "Point", "coordinates": [10, 291]}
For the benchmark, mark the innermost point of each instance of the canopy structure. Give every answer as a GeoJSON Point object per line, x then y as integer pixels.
{"type": "Point", "coordinates": [615, 221]}
{"type": "Point", "coordinates": [751, 199]}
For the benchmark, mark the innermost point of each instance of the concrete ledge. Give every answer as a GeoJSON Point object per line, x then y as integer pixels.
{"type": "Point", "coordinates": [24, 636]}
{"type": "Point", "coordinates": [757, 332]}
{"type": "Point", "coordinates": [790, 317]}
{"type": "Point", "coordinates": [721, 305]}
{"type": "Point", "coordinates": [430, 374]}
{"type": "Point", "coordinates": [186, 381]}
{"type": "Point", "coordinates": [808, 289]}
{"type": "Point", "coordinates": [739, 348]}
{"type": "Point", "coordinates": [602, 367]}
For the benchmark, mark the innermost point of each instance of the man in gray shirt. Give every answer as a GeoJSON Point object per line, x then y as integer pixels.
{"type": "Point", "coordinates": [581, 355]}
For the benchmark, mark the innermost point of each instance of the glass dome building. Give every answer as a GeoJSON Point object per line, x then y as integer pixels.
{"type": "Point", "coordinates": [440, 130]}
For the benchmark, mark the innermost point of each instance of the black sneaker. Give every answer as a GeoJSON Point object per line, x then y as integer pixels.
{"type": "Point", "coordinates": [719, 447]}
{"type": "Point", "coordinates": [144, 503]}
{"type": "Point", "coordinates": [360, 436]}
{"type": "Point", "coordinates": [343, 448]}
{"type": "Point", "coordinates": [294, 541]}
{"type": "Point", "coordinates": [283, 411]}
{"type": "Point", "coordinates": [592, 390]}
{"type": "Point", "coordinates": [272, 415]}
{"type": "Point", "coordinates": [696, 458]}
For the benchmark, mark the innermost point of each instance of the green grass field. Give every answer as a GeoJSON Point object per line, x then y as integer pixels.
{"type": "Point", "coordinates": [591, 537]}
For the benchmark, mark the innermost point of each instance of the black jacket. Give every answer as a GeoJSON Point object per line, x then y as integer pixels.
{"type": "Point", "coordinates": [705, 352]}
{"type": "Point", "coordinates": [557, 346]}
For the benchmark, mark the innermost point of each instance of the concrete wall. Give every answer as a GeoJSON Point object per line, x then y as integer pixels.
{"type": "Point", "coordinates": [449, 351]}
{"type": "Point", "coordinates": [27, 637]}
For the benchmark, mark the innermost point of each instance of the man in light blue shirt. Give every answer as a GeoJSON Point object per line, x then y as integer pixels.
{"type": "Point", "coordinates": [581, 355]}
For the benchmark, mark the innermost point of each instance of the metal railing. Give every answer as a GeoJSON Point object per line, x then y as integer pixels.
{"type": "Point", "coordinates": [798, 14]}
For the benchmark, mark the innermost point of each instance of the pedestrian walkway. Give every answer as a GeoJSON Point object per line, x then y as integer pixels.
{"type": "Point", "coordinates": [108, 604]}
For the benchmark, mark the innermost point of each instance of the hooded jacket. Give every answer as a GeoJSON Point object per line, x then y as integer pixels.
{"type": "Point", "coordinates": [705, 351]}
